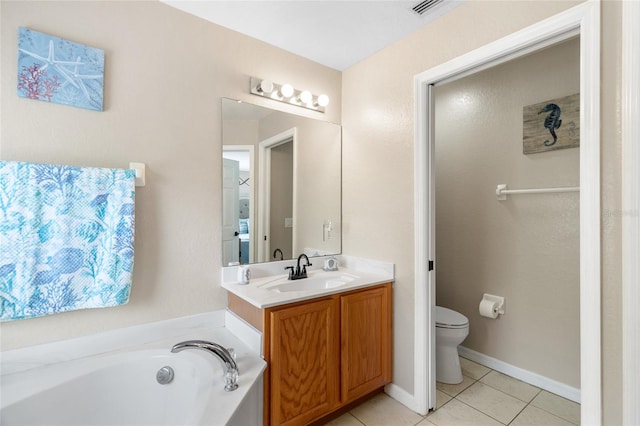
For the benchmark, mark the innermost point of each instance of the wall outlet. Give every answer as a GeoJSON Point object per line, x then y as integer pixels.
{"type": "Point", "coordinates": [288, 222]}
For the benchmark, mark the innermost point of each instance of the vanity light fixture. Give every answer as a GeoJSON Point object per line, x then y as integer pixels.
{"type": "Point", "coordinates": [287, 94]}
{"type": "Point", "coordinates": [323, 100]}
{"type": "Point", "coordinates": [305, 97]}
{"type": "Point", "coordinates": [265, 87]}
{"type": "Point", "coordinates": [286, 90]}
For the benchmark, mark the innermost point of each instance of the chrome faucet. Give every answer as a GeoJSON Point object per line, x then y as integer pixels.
{"type": "Point", "coordinates": [229, 364]}
{"type": "Point", "coordinates": [297, 273]}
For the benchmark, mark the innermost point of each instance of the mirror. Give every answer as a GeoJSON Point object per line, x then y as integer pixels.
{"type": "Point", "coordinates": [281, 185]}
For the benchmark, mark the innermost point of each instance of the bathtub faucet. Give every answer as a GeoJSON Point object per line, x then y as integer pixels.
{"type": "Point", "coordinates": [230, 366]}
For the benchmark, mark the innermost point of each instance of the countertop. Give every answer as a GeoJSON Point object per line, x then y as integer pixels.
{"type": "Point", "coordinates": [365, 274]}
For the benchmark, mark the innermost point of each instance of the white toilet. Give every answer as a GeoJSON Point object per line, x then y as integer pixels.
{"type": "Point", "coordinates": [451, 329]}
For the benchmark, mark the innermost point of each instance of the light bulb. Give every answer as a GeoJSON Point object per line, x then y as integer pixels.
{"type": "Point", "coordinates": [286, 90]}
{"type": "Point", "coordinates": [323, 100]}
{"type": "Point", "coordinates": [305, 97]}
{"type": "Point", "coordinates": [265, 86]}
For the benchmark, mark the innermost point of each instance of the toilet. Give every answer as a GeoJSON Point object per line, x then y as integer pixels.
{"type": "Point", "coordinates": [451, 329]}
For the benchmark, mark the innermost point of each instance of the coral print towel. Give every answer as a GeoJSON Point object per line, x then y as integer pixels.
{"type": "Point", "coordinates": [66, 238]}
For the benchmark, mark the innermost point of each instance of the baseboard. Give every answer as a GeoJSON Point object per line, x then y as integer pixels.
{"type": "Point", "coordinates": [402, 396]}
{"type": "Point", "coordinates": [526, 376]}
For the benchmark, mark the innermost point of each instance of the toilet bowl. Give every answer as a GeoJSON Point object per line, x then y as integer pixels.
{"type": "Point", "coordinates": [451, 329]}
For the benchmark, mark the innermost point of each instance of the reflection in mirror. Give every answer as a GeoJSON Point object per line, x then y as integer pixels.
{"type": "Point", "coordinates": [281, 185]}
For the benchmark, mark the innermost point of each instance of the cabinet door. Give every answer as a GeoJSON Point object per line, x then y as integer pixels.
{"type": "Point", "coordinates": [366, 341]}
{"type": "Point", "coordinates": [304, 362]}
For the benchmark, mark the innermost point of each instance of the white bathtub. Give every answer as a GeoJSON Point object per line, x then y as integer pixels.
{"type": "Point", "coordinates": [120, 388]}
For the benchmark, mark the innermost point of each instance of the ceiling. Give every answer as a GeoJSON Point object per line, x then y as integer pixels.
{"type": "Point", "coordinates": [335, 33]}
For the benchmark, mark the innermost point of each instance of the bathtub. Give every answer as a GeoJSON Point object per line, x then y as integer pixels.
{"type": "Point", "coordinates": [120, 388]}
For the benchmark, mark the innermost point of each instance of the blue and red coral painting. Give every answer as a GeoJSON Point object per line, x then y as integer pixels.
{"type": "Point", "coordinates": [56, 70]}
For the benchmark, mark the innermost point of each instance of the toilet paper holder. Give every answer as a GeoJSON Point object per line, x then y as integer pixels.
{"type": "Point", "coordinates": [499, 300]}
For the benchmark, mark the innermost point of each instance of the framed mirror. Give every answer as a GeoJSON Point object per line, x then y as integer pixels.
{"type": "Point", "coordinates": [281, 185]}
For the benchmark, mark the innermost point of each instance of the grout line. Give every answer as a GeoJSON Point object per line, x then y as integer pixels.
{"type": "Point", "coordinates": [479, 411]}
{"type": "Point", "coordinates": [513, 396]}
{"type": "Point", "coordinates": [554, 414]}
{"type": "Point", "coordinates": [357, 419]}
{"type": "Point", "coordinates": [519, 412]}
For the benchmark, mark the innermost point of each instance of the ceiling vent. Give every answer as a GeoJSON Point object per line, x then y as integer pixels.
{"type": "Point", "coordinates": [424, 6]}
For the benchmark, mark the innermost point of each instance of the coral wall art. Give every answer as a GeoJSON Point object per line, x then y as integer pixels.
{"type": "Point", "coordinates": [53, 69]}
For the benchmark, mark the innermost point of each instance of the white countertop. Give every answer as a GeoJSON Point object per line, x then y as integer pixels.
{"type": "Point", "coordinates": [364, 273]}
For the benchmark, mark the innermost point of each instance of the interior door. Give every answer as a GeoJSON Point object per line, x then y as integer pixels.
{"type": "Point", "coordinates": [230, 214]}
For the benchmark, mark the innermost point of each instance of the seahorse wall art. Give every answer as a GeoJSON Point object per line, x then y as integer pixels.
{"type": "Point", "coordinates": [552, 124]}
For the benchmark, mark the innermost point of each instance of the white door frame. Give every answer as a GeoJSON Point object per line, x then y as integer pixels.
{"type": "Point", "coordinates": [264, 198]}
{"type": "Point", "coordinates": [630, 213]}
{"type": "Point", "coordinates": [585, 20]}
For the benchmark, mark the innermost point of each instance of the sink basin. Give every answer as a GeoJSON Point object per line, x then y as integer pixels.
{"type": "Point", "coordinates": [318, 281]}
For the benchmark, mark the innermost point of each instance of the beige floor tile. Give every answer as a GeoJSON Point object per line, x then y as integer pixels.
{"type": "Point", "coordinates": [559, 406]}
{"type": "Point", "coordinates": [425, 422]}
{"type": "Point", "coordinates": [441, 398]}
{"type": "Point", "coordinates": [382, 410]}
{"type": "Point", "coordinates": [455, 413]}
{"type": "Point", "coordinates": [533, 416]}
{"type": "Point", "coordinates": [492, 402]}
{"type": "Point", "coordinates": [454, 390]}
{"type": "Point", "coordinates": [473, 369]}
{"type": "Point", "coordinates": [345, 420]}
{"type": "Point", "coordinates": [514, 387]}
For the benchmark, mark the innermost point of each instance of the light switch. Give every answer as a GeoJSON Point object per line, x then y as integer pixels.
{"type": "Point", "coordinates": [288, 222]}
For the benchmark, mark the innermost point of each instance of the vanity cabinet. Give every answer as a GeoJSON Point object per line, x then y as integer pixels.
{"type": "Point", "coordinates": [304, 354]}
{"type": "Point", "coordinates": [322, 353]}
{"type": "Point", "coordinates": [365, 332]}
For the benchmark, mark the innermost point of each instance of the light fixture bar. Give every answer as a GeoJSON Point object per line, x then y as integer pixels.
{"type": "Point", "coordinates": [287, 94]}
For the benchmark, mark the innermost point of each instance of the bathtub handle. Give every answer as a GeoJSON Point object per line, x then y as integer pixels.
{"type": "Point", "coordinates": [228, 361]}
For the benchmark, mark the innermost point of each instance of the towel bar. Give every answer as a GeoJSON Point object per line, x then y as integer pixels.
{"type": "Point", "coordinates": [502, 191]}
{"type": "Point", "coordinates": [140, 173]}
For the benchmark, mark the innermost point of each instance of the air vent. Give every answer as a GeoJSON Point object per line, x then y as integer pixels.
{"type": "Point", "coordinates": [424, 6]}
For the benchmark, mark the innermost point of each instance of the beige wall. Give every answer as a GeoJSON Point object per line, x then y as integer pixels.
{"type": "Point", "coordinates": [166, 72]}
{"type": "Point", "coordinates": [526, 249]}
{"type": "Point", "coordinates": [378, 148]}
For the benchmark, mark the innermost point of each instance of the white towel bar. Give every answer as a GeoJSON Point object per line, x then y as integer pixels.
{"type": "Point", "coordinates": [502, 191]}
{"type": "Point", "coordinates": [140, 169]}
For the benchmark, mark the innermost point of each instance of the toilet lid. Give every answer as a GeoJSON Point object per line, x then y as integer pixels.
{"type": "Point", "coordinates": [450, 319]}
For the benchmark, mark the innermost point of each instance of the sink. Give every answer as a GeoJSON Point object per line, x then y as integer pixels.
{"type": "Point", "coordinates": [318, 281]}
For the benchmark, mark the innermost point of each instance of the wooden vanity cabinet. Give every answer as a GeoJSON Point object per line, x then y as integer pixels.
{"type": "Point", "coordinates": [304, 361]}
{"type": "Point", "coordinates": [365, 332]}
{"type": "Point", "coordinates": [322, 353]}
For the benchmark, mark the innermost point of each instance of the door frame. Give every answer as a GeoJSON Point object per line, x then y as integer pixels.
{"type": "Point", "coordinates": [583, 19]}
{"type": "Point", "coordinates": [630, 212]}
{"type": "Point", "coordinates": [264, 198]}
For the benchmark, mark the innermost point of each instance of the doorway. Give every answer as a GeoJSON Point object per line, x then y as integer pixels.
{"type": "Point", "coordinates": [582, 20]}
{"type": "Point", "coordinates": [489, 131]}
{"type": "Point", "coordinates": [238, 212]}
{"type": "Point", "coordinates": [276, 200]}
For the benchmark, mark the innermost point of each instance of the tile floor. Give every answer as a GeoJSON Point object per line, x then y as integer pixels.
{"type": "Point", "coordinates": [485, 397]}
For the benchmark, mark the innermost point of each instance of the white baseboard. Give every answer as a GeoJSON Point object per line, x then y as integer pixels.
{"type": "Point", "coordinates": [526, 376]}
{"type": "Point", "coordinates": [402, 396]}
